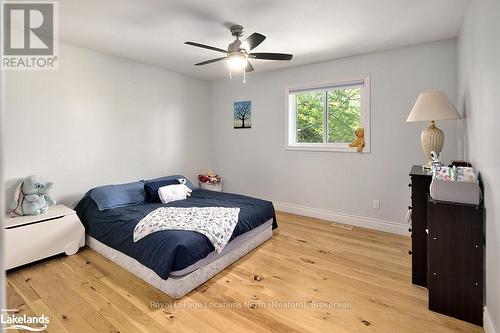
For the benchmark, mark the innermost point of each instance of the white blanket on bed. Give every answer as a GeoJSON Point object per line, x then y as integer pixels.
{"type": "Point", "coordinates": [217, 223]}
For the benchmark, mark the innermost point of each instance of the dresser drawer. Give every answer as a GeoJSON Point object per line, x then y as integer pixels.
{"type": "Point", "coordinates": [419, 189]}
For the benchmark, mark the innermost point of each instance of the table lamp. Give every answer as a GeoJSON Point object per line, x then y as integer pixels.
{"type": "Point", "coordinates": [432, 105]}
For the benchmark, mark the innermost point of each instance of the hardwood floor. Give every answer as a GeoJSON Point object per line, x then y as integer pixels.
{"type": "Point", "coordinates": [310, 277]}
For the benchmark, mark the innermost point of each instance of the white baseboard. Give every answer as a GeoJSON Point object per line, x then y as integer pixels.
{"type": "Point", "coordinates": [359, 221]}
{"type": "Point", "coordinates": [488, 325]}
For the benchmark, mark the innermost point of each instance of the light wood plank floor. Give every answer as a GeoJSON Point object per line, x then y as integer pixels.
{"type": "Point", "coordinates": [310, 277]}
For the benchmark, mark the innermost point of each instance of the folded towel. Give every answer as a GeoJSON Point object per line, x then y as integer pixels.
{"type": "Point", "coordinates": [465, 174]}
{"type": "Point", "coordinates": [443, 173]}
{"type": "Point", "coordinates": [459, 174]}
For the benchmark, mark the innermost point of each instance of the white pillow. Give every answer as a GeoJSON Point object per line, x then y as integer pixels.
{"type": "Point", "coordinates": [171, 193]}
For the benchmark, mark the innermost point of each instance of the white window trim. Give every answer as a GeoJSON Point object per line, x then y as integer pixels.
{"type": "Point", "coordinates": [290, 133]}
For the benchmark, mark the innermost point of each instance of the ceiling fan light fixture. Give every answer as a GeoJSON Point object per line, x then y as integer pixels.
{"type": "Point", "coordinates": [238, 52]}
{"type": "Point", "coordinates": [237, 61]}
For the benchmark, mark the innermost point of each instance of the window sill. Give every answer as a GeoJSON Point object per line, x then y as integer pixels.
{"type": "Point", "coordinates": [325, 148]}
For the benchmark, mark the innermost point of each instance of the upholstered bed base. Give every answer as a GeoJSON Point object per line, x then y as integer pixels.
{"type": "Point", "coordinates": [178, 286]}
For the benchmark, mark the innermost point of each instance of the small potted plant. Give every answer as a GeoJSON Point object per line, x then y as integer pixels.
{"type": "Point", "coordinates": [210, 181]}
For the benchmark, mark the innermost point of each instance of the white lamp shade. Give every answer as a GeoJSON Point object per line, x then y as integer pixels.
{"type": "Point", "coordinates": [433, 105]}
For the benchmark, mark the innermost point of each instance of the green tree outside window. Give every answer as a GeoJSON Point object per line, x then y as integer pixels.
{"type": "Point", "coordinates": [344, 115]}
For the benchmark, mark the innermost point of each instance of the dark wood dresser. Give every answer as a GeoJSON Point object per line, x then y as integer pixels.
{"type": "Point", "coordinates": [447, 251]}
{"type": "Point", "coordinates": [455, 257]}
{"type": "Point", "coordinates": [420, 181]}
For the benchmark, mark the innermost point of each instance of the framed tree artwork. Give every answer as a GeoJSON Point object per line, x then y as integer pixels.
{"type": "Point", "coordinates": [243, 114]}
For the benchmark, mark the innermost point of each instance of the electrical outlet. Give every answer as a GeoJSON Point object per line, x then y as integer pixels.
{"type": "Point", "coordinates": [376, 204]}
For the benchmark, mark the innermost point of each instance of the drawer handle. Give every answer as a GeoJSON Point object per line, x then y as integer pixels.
{"type": "Point", "coordinates": [409, 184]}
{"type": "Point", "coordinates": [409, 230]}
{"type": "Point", "coordinates": [409, 252]}
{"type": "Point", "coordinates": [409, 207]}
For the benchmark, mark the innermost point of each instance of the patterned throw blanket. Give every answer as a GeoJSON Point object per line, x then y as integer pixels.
{"type": "Point", "coordinates": [217, 223]}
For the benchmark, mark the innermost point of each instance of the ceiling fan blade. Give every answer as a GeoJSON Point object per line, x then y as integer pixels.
{"type": "Point", "coordinates": [249, 67]}
{"type": "Point", "coordinates": [271, 56]}
{"type": "Point", "coordinates": [209, 61]}
{"type": "Point", "coordinates": [206, 47]}
{"type": "Point", "coordinates": [254, 40]}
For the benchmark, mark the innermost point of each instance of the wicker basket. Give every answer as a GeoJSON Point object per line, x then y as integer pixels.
{"type": "Point", "coordinates": [211, 187]}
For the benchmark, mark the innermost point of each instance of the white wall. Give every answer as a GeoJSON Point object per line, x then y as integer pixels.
{"type": "Point", "coordinates": [2, 193]}
{"type": "Point", "coordinates": [100, 119]}
{"type": "Point", "coordinates": [479, 82]}
{"type": "Point", "coordinates": [254, 161]}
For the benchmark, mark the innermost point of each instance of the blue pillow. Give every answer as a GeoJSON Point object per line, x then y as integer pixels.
{"type": "Point", "coordinates": [151, 188]}
{"type": "Point", "coordinates": [114, 196]}
{"type": "Point", "coordinates": [188, 183]}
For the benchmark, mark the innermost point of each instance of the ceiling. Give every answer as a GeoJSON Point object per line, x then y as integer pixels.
{"type": "Point", "coordinates": [154, 31]}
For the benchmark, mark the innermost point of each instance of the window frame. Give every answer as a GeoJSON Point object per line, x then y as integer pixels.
{"type": "Point", "coordinates": [291, 116]}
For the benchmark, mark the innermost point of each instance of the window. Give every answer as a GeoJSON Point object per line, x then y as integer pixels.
{"type": "Point", "coordinates": [324, 117]}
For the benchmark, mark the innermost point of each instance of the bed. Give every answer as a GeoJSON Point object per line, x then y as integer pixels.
{"type": "Point", "coordinates": [175, 261]}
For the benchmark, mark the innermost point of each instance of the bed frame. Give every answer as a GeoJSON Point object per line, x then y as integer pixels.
{"type": "Point", "coordinates": [179, 286]}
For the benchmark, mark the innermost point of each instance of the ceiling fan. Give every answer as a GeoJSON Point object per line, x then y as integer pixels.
{"type": "Point", "coordinates": [238, 52]}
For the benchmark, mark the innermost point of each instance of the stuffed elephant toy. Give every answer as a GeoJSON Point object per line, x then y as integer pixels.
{"type": "Point", "coordinates": [31, 197]}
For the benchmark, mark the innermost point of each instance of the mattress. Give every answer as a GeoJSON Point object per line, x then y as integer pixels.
{"type": "Point", "coordinates": [194, 275]}
{"type": "Point", "coordinates": [232, 245]}
{"type": "Point", "coordinates": [169, 251]}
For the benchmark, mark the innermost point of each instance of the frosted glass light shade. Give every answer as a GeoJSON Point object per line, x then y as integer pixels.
{"type": "Point", "coordinates": [237, 62]}
{"type": "Point", "coordinates": [433, 105]}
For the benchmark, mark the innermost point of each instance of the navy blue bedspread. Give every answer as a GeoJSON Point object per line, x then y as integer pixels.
{"type": "Point", "coordinates": [170, 250]}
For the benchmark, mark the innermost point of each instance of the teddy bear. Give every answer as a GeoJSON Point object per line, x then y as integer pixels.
{"type": "Point", "coordinates": [31, 197]}
{"type": "Point", "coordinates": [185, 188]}
{"type": "Point", "coordinates": [359, 140]}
